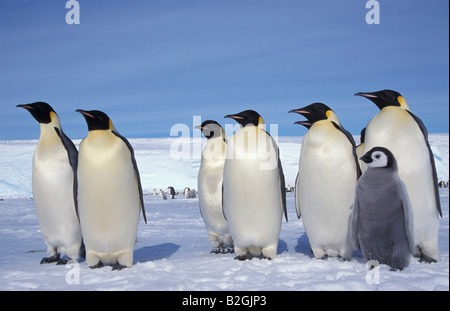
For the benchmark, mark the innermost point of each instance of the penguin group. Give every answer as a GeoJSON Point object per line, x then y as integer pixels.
{"type": "Point", "coordinates": [380, 196]}
{"type": "Point", "coordinates": [99, 222]}
{"type": "Point", "coordinates": [171, 193]}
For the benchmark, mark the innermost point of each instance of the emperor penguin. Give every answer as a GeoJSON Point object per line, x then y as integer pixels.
{"type": "Point", "coordinates": [254, 193]}
{"type": "Point", "coordinates": [54, 182]}
{"type": "Point", "coordinates": [325, 187]}
{"type": "Point", "coordinates": [209, 183]}
{"type": "Point", "coordinates": [395, 127]}
{"type": "Point", "coordinates": [171, 192]}
{"type": "Point", "coordinates": [382, 217]}
{"type": "Point", "coordinates": [110, 194]}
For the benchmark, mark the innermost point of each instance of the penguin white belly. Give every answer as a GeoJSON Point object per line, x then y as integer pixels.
{"type": "Point", "coordinates": [325, 191]}
{"type": "Point", "coordinates": [108, 200]}
{"type": "Point", "coordinates": [396, 130]}
{"type": "Point", "coordinates": [52, 182]}
{"type": "Point", "coordinates": [252, 197]}
{"type": "Point", "coordinates": [210, 197]}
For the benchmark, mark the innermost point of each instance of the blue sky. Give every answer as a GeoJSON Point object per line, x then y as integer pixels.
{"type": "Point", "coordinates": [154, 63]}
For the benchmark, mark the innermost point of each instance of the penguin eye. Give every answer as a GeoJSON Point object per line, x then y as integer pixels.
{"type": "Point", "coordinates": [377, 155]}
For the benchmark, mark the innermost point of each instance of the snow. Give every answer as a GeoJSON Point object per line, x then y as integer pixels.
{"type": "Point", "coordinates": [172, 250]}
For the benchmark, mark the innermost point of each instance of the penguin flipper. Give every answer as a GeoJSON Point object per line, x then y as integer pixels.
{"type": "Point", "coordinates": [282, 186]}
{"type": "Point", "coordinates": [223, 211]}
{"type": "Point", "coordinates": [136, 173]}
{"type": "Point", "coordinates": [352, 141]}
{"type": "Point", "coordinates": [297, 206]}
{"type": "Point", "coordinates": [72, 153]}
{"type": "Point", "coordinates": [408, 215]}
{"type": "Point", "coordinates": [433, 165]}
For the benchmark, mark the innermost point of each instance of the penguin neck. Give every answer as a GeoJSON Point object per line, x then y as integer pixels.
{"type": "Point", "coordinates": [319, 134]}
{"type": "Point", "coordinates": [47, 130]}
{"type": "Point", "coordinates": [332, 117]}
{"type": "Point", "coordinates": [215, 149]}
{"type": "Point", "coordinates": [376, 177]}
{"type": "Point", "coordinates": [262, 124]}
{"type": "Point", "coordinates": [222, 136]}
{"type": "Point", "coordinates": [403, 103]}
{"type": "Point", "coordinates": [403, 106]}
{"type": "Point", "coordinates": [100, 135]}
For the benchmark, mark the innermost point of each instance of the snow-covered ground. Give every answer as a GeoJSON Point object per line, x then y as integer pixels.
{"type": "Point", "coordinates": [172, 250]}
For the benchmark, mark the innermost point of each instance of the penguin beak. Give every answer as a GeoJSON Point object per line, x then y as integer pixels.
{"type": "Point", "coordinates": [366, 95]}
{"type": "Point", "coordinates": [299, 111]}
{"type": "Point", "coordinates": [199, 127]}
{"type": "Point", "coordinates": [304, 123]}
{"type": "Point", "coordinates": [85, 113]}
{"type": "Point", "coordinates": [234, 116]}
{"type": "Point", "coordinates": [366, 158]}
{"type": "Point", "coordinates": [25, 106]}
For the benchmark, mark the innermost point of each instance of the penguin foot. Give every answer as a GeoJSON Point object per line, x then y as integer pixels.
{"type": "Point", "coordinates": [98, 265]}
{"type": "Point", "coordinates": [62, 261]}
{"type": "Point", "coordinates": [342, 259]}
{"type": "Point", "coordinates": [215, 250]}
{"type": "Point", "coordinates": [324, 257]}
{"type": "Point", "coordinates": [229, 250]}
{"type": "Point", "coordinates": [222, 250]}
{"type": "Point", "coordinates": [51, 259]}
{"type": "Point", "coordinates": [395, 269]}
{"type": "Point", "coordinates": [118, 266]}
{"type": "Point", "coordinates": [247, 256]}
{"type": "Point", "coordinates": [425, 258]}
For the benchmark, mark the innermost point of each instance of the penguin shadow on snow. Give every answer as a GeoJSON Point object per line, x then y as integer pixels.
{"type": "Point", "coordinates": [282, 247]}
{"type": "Point", "coordinates": [155, 252]}
{"type": "Point", "coordinates": [303, 246]}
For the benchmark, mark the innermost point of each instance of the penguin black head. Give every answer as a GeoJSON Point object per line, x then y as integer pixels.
{"type": "Point", "coordinates": [385, 98]}
{"type": "Point", "coordinates": [313, 113]}
{"type": "Point", "coordinates": [96, 120]}
{"type": "Point", "coordinates": [247, 117]}
{"type": "Point", "coordinates": [41, 111]}
{"type": "Point", "coordinates": [210, 129]}
{"type": "Point", "coordinates": [379, 157]}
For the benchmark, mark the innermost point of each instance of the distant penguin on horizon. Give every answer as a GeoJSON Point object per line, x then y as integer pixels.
{"type": "Point", "coordinates": [327, 175]}
{"type": "Point", "coordinates": [396, 128]}
{"type": "Point", "coordinates": [162, 194]}
{"type": "Point", "coordinates": [254, 193]}
{"type": "Point", "coordinates": [382, 217]}
{"type": "Point", "coordinates": [110, 196]}
{"type": "Point", "coordinates": [54, 183]}
{"type": "Point", "coordinates": [209, 183]}
{"type": "Point", "coordinates": [171, 192]}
